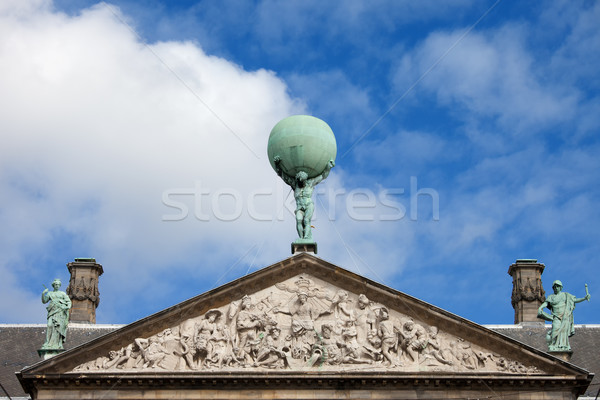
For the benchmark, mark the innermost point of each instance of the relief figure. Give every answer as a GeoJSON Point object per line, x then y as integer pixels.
{"type": "Point", "coordinates": [327, 348]}
{"type": "Point", "coordinates": [414, 340]}
{"type": "Point", "coordinates": [270, 353]}
{"type": "Point", "coordinates": [389, 338]}
{"type": "Point", "coordinates": [279, 332]}
{"type": "Point", "coordinates": [203, 338]}
{"type": "Point", "coordinates": [435, 351]}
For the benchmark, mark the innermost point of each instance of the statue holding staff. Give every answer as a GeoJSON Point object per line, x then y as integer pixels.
{"type": "Point", "coordinates": [561, 304]}
{"type": "Point", "coordinates": [58, 308]}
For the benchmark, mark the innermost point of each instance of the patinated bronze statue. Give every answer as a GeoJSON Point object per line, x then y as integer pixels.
{"type": "Point", "coordinates": [58, 316]}
{"type": "Point", "coordinates": [303, 190]}
{"type": "Point", "coordinates": [561, 304]}
{"type": "Point", "coordinates": [302, 151]}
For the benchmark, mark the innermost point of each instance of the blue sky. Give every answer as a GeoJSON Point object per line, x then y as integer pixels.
{"type": "Point", "coordinates": [135, 132]}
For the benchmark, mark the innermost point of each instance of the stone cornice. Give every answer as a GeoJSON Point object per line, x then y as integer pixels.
{"type": "Point", "coordinates": [291, 381]}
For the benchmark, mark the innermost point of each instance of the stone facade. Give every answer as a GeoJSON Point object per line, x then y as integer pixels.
{"type": "Point", "coordinates": [304, 328]}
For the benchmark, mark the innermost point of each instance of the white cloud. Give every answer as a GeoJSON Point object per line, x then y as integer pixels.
{"type": "Point", "coordinates": [488, 75]}
{"type": "Point", "coordinates": [100, 126]}
{"type": "Point", "coordinates": [579, 52]}
{"type": "Point", "coordinates": [97, 126]}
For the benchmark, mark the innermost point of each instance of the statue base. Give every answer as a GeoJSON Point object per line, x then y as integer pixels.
{"type": "Point", "coordinates": [49, 353]}
{"type": "Point", "coordinates": [564, 355]}
{"type": "Point", "coordinates": [301, 246]}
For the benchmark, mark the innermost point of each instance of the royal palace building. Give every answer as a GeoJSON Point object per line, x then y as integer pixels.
{"type": "Point", "coordinates": [301, 328]}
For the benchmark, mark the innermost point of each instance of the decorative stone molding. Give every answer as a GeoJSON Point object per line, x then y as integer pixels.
{"type": "Point", "coordinates": [348, 337]}
{"type": "Point", "coordinates": [303, 324]}
{"type": "Point", "coordinates": [528, 293]}
{"type": "Point", "coordinates": [83, 289]}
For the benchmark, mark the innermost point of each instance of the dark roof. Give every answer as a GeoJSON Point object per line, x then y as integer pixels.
{"type": "Point", "coordinates": [585, 344]}
{"type": "Point", "coordinates": [19, 345]}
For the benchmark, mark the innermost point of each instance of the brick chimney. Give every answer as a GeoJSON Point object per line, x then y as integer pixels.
{"type": "Point", "coordinates": [83, 289]}
{"type": "Point", "coordinates": [528, 293]}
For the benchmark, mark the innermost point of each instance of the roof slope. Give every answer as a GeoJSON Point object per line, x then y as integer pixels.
{"type": "Point", "coordinates": [585, 344]}
{"type": "Point", "coordinates": [19, 345]}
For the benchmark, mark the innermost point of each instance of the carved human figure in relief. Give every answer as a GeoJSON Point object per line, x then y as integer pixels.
{"type": "Point", "coordinates": [352, 352]}
{"type": "Point", "coordinates": [463, 353]}
{"type": "Point", "coordinates": [135, 357]}
{"type": "Point", "coordinates": [342, 308]}
{"type": "Point", "coordinates": [222, 348]}
{"type": "Point", "coordinates": [483, 358]}
{"type": "Point", "coordinates": [58, 308]}
{"type": "Point", "coordinates": [561, 304]}
{"type": "Point", "coordinates": [303, 190]}
{"type": "Point", "coordinates": [366, 314]}
{"type": "Point", "coordinates": [152, 351]}
{"type": "Point", "coordinates": [270, 353]}
{"type": "Point", "coordinates": [116, 359]}
{"type": "Point", "coordinates": [303, 315]}
{"type": "Point", "coordinates": [435, 350]}
{"type": "Point", "coordinates": [247, 325]}
{"type": "Point", "coordinates": [205, 330]}
{"type": "Point", "coordinates": [327, 348]}
{"type": "Point", "coordinates": [389, 337]}
{"type": "Point", "coordinates": [188, 333]}
{"type": "Point", "coordinates": [304, 311]}
{"type": "Point", "coordinates": [414, 339]}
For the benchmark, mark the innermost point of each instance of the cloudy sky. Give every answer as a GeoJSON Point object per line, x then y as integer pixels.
{"type": "Point", "coordinates": [135, 132]}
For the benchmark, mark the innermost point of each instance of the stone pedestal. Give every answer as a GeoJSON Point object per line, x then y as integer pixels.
{"type": "Point", "coordinates": [563, 355]}
{"type": "Point", "coordinates": [49, 353]}
{"type": "Point", "coordinates": [83, 289]}
{"type": "Point", "coordinates": [528, 293]}
{"type": "Point", "coordinates": [304, 247]}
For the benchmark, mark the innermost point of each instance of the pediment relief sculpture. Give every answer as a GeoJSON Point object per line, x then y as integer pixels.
{"type": "Point", "coordinates": [303, 324]}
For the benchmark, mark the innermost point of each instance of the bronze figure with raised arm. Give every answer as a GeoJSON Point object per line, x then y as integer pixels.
{"type": "Point", "coordinates": [58, 308]}
{"type": "Point", "coordinates": [303, 190]}
{"type": "Point", "coordinates": [561, 304]}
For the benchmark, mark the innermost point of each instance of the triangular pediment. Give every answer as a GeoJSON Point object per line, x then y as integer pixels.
{"type": "Point", "coordinates": [303, 315]}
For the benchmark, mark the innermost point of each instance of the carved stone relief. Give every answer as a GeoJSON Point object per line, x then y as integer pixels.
{"type": "Point", "coordinates": [303, 323]}
{"type": "Point", "coordinates": [82, 289]}
{"type": "Point", "coordinates": [529, 291]}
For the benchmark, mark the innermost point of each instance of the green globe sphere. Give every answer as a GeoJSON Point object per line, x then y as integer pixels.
{"type": "Point", "coordinates": [303, 143]}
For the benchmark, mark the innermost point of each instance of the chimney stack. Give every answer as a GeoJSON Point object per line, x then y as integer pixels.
{"type": "Point", "coordinates": [528, 293]}
{"type": "Point", "coordinates": [83, 289]}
